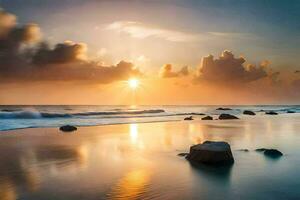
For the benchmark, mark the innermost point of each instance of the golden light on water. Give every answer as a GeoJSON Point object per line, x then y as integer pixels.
{"type": "Point", "coordinates": [133, 83]}
{"type": "Point", "coordinates": [132, 186]}
{"type": "Point", "coordinates": [133, 132]}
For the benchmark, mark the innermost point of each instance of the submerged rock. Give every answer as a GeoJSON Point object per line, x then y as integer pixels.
{"type": "Point", "coordinates": [207, 118]}
{"type": "Point", "coordinates": [214, 153]}
{"type": "Point", "coordinates": [272, 153]}
{"type": "Point", "coordinates": [271, 113]}
{"type": "Point", "coordinates": [223, 109]}
{"type": "Point", "coordinates": [227, 116]}
{"type": "Point", "coordinates": [189, 118]}
{"type": "Point", "coordinates": [67, 128]}
{"type": "Point", "coordinates": [249, 112]}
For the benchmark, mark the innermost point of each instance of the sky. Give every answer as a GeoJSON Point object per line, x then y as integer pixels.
{"type": "Point", "coordinates": [182, 52]}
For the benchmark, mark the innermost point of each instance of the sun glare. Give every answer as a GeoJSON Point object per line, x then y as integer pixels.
{"type": "Point", "coordinates": [133, 83]}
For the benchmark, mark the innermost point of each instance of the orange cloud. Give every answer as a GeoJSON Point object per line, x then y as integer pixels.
{"type": "Point", "coordinates": [65, 61]}
{"type": "Point", "coordinates": [167, 72]}
{"type": "Point", "coordinates": [228, 69]}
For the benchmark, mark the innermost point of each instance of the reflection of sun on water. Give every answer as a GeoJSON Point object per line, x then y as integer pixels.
{"type": "Point", "coordinates": [132, 186]}
{"type": "Point", "coordinates": [133, 133]}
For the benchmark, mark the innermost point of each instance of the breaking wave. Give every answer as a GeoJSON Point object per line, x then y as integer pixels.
{"type": "Point", "coordinates": [27, 114]}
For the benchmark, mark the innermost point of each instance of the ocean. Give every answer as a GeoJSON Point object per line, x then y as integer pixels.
{"type": "Point", "coordinates": [125, 159]}
{"type": "Point", "coordinates": [16, 117]}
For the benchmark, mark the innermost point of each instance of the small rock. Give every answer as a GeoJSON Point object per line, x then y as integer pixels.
{"type": "Point", "coordinates": [245, 150]}
{"type": "Point", "coordinates": [196, 113]}
{"type": "Point", "coordinates": [260, 149]}
{"type": "Point", "coordinates": [290, 111]}
{"type": "Point", "coordinates": [248, 112]}
{"type": "Point", "coordinates": [189, 118]}
{"type": "Point", "coordinates": [214, 153]}
{"type": "Point", "coordinates": [68, 128]}
{"type": "Point", "coordinates": [227, 116]}
{"type": "Point", "coordinates": [271, 113]}
{"type": "Point", "coordinates": [273, 153]}
{"type": "Point", "coordinates": [223, 109]}
{"type": "Point", "coordinates": [207, 118]}
{"type": "Point", "coordinates": [182, 154]}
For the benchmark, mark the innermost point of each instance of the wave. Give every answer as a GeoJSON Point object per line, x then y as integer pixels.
{"type": "Point", "coordinates": [20, 115]}
{"type": "Point", "coordinates": [36, 114]}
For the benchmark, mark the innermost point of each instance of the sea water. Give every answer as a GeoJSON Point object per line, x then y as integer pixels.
{"type": "Point", "coordinates": [15, 117]}
{"type": "Point", "coordinates": [139, 160]}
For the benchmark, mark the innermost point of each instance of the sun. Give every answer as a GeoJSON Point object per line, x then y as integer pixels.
{"type": "Point", "coordinates": [133, 83]}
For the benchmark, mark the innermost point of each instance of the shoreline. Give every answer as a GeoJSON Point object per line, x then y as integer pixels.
{"type": "Point", "coordinates": [241, 117]}
{"type": "Point", "coordinates": [86, 126]}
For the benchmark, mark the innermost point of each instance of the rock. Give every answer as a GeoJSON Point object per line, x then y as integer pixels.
{"type": "Point", "coordinates": [67, 128]}
{"type": "Point", "coordinates": [272, 153]}
{"type": "Point", "coordinates": [248, 112]}
{"type": "Point", "coordinates": [245, 150]}
{"type": "Point", "coordinates": [189, 118]}
{"type": "Point", "coordinates": [227, 116]}
{"type": "Point", "coordinates": [196, 113]}
{"type": "Point", "coordinates": [290, 111]}
{"type": "Point", "coordinates": [182, 154]}
{"type": "Point", "coordinates": [207, 118]}
{"type": "Point", "coordinates": [223, 109]}
{"type": "Point", "coordinates": [260, 149]}
{"type": "Point", "coordinates": [214, 153]}
{"type": "Point", "coordinates": [271, 113]}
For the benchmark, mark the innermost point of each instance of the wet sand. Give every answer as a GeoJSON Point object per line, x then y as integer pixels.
{"type": "Point", "coordinates": [139, 161]}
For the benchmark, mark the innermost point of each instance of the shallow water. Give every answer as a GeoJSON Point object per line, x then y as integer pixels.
{"type": "Point", "coordinates": [139, 161]}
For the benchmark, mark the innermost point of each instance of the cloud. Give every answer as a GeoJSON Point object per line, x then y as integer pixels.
{"type": "Point", "coordinates": [228, 69]}
{"type": "Point", "coordinates": [67, 61]}
{"type": "Point", "coordinates": [141, 31]}
{"type": "Point", "coordinates": [62, 53]}
{"type": "Point", "coordinates": [167, 72]}
{"type": "Point", "coordinates": [7, 21]}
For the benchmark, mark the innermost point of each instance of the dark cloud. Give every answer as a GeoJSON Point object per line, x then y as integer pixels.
{"type": "Point", "coordinates": [228, 69]}
{"type": "Point", "coordinates": [62, 53]}
{"type": "Point", "coordinates": [25, 58]}
{"type": "Point", "coordinates": [167, 72]}
{"type": "Point", "coordinates": [85, 71]}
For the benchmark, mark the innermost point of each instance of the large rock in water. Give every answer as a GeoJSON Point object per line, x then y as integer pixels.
{"type": "Point", "coordinates": [68, 128]}
{"type": "Point", "coordinates": [227, 116]}
{"type": "Point", "coordinates": [214, 153]}
{"type": "Point", "coordinates": [248, 112]}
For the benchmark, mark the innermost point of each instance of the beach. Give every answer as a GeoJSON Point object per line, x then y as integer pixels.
{"type": "Point", "coordinates": [140, 161]}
